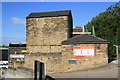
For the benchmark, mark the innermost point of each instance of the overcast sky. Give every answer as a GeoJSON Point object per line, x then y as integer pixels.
{"type": "Point", "coordinates": [14, 15]}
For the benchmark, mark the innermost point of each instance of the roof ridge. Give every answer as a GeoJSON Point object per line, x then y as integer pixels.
{"type": "Point", "coordinates": [50, 11]}
{"type": "Point", "coordinates": [49, 14]}
{"type": "Point", "coordinates": [84, 38]}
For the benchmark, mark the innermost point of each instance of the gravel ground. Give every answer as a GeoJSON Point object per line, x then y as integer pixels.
{"type": "Point", "coordinates": [107, 71]}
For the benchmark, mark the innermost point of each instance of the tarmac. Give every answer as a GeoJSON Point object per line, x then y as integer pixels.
{"type": "Point", "coordinates": [107, 71]}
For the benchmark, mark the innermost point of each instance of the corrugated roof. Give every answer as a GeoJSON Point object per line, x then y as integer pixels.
{"type": "Point", "coordinates": [50, 14]}
{"type": "Point", "coordinates": [2, 48]}
{"type": "Point", "coordinates": [84, 39]}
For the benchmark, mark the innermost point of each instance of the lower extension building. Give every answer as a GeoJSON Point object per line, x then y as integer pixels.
{"type": "Point", "coordinates": [78, 53]}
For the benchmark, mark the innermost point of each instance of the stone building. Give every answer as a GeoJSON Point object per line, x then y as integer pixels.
{"type": "Point", "coordinates": [94, 54]}
{"type": "Point", "coordinates": [84, 52]}
{"type": "Point", "coordinates": [46, 30]}
{"type": "Point", "coordinates": [49, 40]}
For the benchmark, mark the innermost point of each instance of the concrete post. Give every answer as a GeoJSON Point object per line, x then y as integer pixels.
{"type": "Point", "coordinates": [117, 51]}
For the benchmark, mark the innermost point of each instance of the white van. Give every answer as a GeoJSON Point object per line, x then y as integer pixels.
{"type": "Point", "coordinates": [3, 64]}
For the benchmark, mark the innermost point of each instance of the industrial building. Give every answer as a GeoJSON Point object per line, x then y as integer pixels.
{"type": "Point", "coordinates": [49, 39]}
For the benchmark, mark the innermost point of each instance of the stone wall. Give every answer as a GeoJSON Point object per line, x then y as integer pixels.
{"type": "Point", "coordinates": [44, 49]}
{"type": "Point", "coordinates": [18, 73]}
{"type": "Point", "coordinates": [58, 62]}
{"type": "Point", "coordinates": [52, 60]}
{"type": "Point", "coordinates": [47, 31]}
{"type": "Point", "coordinates": [100, 58]}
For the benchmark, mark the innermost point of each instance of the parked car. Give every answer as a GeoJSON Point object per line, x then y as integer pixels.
{"type": "Point", "coordinates": [3, 64]}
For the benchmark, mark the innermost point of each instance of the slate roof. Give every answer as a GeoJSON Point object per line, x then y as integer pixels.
{"type": "Point", "coordinates": [84, 39]}
{"type": "Point", "coordinates": [49, 14]}
{"type": "Point", "coordinates": [17, 45]}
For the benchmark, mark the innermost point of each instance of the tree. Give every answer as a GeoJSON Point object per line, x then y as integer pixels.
{"type": "Point", "coordinates": [107, 26]}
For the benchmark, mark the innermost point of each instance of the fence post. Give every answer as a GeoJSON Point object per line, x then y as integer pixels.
{"type": "Point", "coordinates": [40, 75]}
{"type": "Point", "coordinates": [39, 68]}
{"type": "Point", "coordinates": [35, 70]}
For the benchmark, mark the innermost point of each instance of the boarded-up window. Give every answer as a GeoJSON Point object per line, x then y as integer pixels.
{"type": "Point", "coordinates": [83, 51]}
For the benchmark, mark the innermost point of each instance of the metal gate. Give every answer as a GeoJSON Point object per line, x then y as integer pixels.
{"type": "Point", "coordinates": [39, 70]}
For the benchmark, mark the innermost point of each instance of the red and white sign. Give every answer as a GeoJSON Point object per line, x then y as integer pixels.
{"type": "Point", "coordinates": [16, 56]}
{"type": "Point", "coordinates": [83, 51]}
